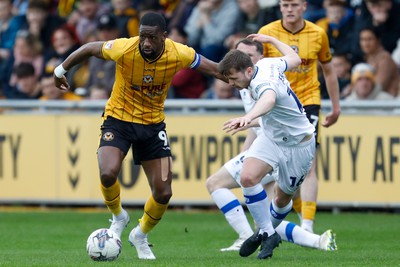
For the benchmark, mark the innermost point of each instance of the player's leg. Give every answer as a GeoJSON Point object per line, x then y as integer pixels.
{"type": "Point", "coordinates": [154, 153]}
{"type": "Point", "coordinates": [261, 159]}
{"type": "Point", "coordinates": [219, 185]}
{"type": "Point", "coordinates": [297, 204]}
{"type": "Point", "coordinates": [159, 175]}
{"type": "Point", "coordinates": [112, 150]}
{"type": "Point", "coordinates": [293, 233]}
{"type": "Point", "coordinates": [309, 193]}
{"type": "Point", "coordinates": [257, 202]}
{"type": "Point", "coordinates": [309, 188]}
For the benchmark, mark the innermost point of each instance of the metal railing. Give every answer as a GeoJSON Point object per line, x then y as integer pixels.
{"type": "Point", "coordinates": [379, 107]}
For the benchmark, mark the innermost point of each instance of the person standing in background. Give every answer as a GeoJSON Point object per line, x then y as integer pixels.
{"type": "Point", "coordinates": [312, 45]}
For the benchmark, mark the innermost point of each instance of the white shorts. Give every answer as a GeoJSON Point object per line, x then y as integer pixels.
{"type": "Point", "coordinates": [293, 162]}
{"type": "Point", "coordinates": [235, 165]}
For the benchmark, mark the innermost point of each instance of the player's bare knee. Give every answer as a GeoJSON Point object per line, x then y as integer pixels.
{"type": "Point", "coordinates": [162, 197]}
{"type": "Point", "coordinates": [281, 202]}
{"type": "Point", "coordinates": [247, 180]}
{"type": "Point", "coordinates": [211, 184]}
{"type": "Point", "coordinates": [108, 179]}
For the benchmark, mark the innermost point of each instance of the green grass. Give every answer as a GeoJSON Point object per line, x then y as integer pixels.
{"type": "Point", "coordinates": [190, 238]}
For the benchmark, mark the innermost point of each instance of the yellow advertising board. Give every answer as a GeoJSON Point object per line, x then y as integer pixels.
{"type": "Point", "coordinates": [52, 159]}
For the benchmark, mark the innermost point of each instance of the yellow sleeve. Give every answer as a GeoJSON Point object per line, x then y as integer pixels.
{"type": "Point", "coordinates": [114, 49]}
{"type": "Point", "coordinates": [186, 54]}
{"type": "Point", "coordinates": [324, 54]}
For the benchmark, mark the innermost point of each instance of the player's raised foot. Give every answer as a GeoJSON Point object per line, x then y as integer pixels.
{"type": "Point", "coordinates": [235, 246]}
{"type": "Point", "coordinates": [268, 244]}
{"type": "Point", "coordinates": [327, 241]}
{"type": "Point", "coordinates": [140, 243]}
{"type": "Point", "coordinates": [250, 245]}
{"type": "Point", "coordinates": [118, 226]}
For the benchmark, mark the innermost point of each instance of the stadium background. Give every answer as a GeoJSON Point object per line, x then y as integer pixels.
{"type": "Point", "coordinates": [54, 144]}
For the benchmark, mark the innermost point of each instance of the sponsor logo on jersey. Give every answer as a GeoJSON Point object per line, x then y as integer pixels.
{"type": "Point", "coordinates": [108, 136]}
{"type": "Point", "coordinates": [147, 79]}
{"type": "Point", "coordinates": [109, 45]}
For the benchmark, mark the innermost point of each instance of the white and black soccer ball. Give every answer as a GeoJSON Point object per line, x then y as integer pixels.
{"type": "Point", "coordinates": [103, 245]}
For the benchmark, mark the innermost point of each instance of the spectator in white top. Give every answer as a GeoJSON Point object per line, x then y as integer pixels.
{"type": "Point", "coordinates": [364, 86]}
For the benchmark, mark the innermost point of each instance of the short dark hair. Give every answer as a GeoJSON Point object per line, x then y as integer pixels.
{"type": "Point", "coordinates": [24, 69]}
{"type": "Point", "coordinates": [236, 60]}
{"type": "Point", "coordinates": [154, 19]}
{"type": "Point", "coordinates": [259, 46]}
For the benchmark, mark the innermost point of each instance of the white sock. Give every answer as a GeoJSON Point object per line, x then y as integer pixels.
{"type": "Point", "coordinates": [233, 211]}
{"type": "Point", "coordinates": [278, 214]}
{"type": "Point", "coordinates": [307, 225]}
{"type": "Point", "coordinates": [290, 232]}
{"type": "Point", "coordinates": [139, 232]}
{"type": "Point", "coordinates": [120, 216]}
{"type": "Point", "coordinates": [257, 203]}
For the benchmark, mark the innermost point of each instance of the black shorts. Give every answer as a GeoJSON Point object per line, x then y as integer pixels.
{"type": "Point", "coordinates": [147, 141]}
{"type": "Point", "coordinates": [313, 115]}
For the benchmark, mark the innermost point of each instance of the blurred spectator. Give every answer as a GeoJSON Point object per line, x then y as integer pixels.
{"type": "Point", "coordinates": [51, 92]}
{"type": "Point", "coordinates": [27, 86]}
{"type": "Point", "coordinates": [101, 72]}
{"type": "Point", "coordinates": [9, 25]}
{"type": "Point", "coordinates": [84, 18]}
{"type": "Point", "coordinates": [210, 22]}
{"type": "Point", "coordinates": [20, 7]}
{"type": "Point", "coordinates": [396, 54]}
{"type": "Point", "coordinates": [64, 42]}
{"type": "Point", "coordinates": [168, 7]}
{"type": "Point", "coordinates": [315, 10]}
{"type": "Point", "coordinates": [342, 66]}
{"type": "Point", "coordinates": [127, 17]}
{"type": "Point", "coordinates": [364, 85]}
{"type": "Point", "coordinates": [382, 15]}
{"type": "Point", "coordinates": [187, 83]}
{"type": "Point", "coordinates": [252, 17]}
{"type": "Point", "coordinates": [387, 74]}
{"type": "Point", "coordinates": [97, 92]}
{"type": "Point", "coordinates": [27, 48]}
{"type": "Point", "coordinates": [220, 90]}
{"type": "Point", "coordinates": [338, 24]}
{"type": "Point", "coordinates": [40, 22]}
{"type": "Point", "coordinates": [181, 14]}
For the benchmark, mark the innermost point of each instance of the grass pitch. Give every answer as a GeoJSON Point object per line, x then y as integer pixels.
{"type": "Point", "coordinates": [57, 237]}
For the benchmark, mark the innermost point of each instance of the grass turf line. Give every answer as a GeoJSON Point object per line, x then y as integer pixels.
{"type": "Point", "coordinates": [190, 238]}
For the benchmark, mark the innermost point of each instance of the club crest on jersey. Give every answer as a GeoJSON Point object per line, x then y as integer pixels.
{"type": "Point", "coordinates": [148, 79]}
{"type": "Point", "coordinates": [295, 48]}
{"type": "Point", "coordinates": [108, 45]}
{"type": "Point", "coordinates": [108, 136]}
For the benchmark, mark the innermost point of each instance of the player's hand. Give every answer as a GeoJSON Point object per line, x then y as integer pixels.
{"type": "Point", "coordinates": [236, 125]}
{"type": "Point", "coordinates": [330, 119]}
{"type": "Point", "coordinates": [61, 83]}
{"type": "Point", "coordinates": [262, 38]}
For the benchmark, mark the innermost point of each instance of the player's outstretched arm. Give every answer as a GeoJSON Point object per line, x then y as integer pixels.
{"type": "Point", "coordinates": [76, 57]}
{"type": "Point", "coordinates": [209, 67]}
{"type": "Point", "coordinates": [289, 55]}
{"type": "Point", "coordinates": [333, 91]}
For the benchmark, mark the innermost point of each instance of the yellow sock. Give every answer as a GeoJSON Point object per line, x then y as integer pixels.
{"type": "Point", "coordinates": [308, 209]}
{"type": "Point", "coordinates": [112, 198]}
{"type": "Point", "coordinates": [153, 211]}
{"type": "Point", "coordinates": [297, 205]}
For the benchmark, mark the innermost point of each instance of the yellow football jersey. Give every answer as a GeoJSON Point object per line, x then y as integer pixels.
{"type": "Point", "coordinates": [141, 86]}
{"type": "Point", "coordinates": [312, 45]}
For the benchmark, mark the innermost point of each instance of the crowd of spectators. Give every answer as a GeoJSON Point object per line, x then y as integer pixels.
{"type": "Point", "coordinates": [36, 35]}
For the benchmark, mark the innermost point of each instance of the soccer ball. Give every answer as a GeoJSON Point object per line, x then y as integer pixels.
{"type": "Point", "coordinates": [103, 245]}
